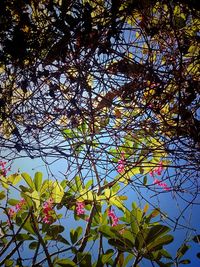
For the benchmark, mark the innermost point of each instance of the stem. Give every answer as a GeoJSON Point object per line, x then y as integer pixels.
{"type": "Point", "coordinates": [137, 260]}
{"type": "Point", "coordinates": [36, 253]}
{"type": "Point", "coordinates": [41, 241]}
{"type": "Point", "coordinates": [117, 258]}
{"type": "Point", "coordinates": [14, 235]}
{"type": "Point", "coordinates": [11, 253]}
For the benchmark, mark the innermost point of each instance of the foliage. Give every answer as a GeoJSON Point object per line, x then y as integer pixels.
{"type": "Point", "coordinates": [111, 87]}
{"type": "Point", "coordinates": [136, 235]}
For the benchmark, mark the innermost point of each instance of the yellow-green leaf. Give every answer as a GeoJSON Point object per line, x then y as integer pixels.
{"type": "Point", "coordinates": [28, 180]}
{"type": "Point", "coordinates": [57, 192]}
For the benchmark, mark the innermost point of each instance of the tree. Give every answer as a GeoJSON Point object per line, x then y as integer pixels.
{"type": "Point", "coordinates": [100, 84]}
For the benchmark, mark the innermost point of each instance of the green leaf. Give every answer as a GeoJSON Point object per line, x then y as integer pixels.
{"type": "Point", "coordinates": [68, 133]}
{"type": "Point", "coordinates": [119, 245]}
{"type": "Point", "coordinates": [28, 180]}
{"type": "Point", "coordinates": [33, 245]}
{"type": "Point", "coordinates": [84, 259]}
{"type": "Point", "coordinates": [135, 218]}
{"type": "Point", "coordinates": [27, 226]}
{"type": "Point", "coordinates": [27, 198]}
{"type": "Point", "coordinates": [14, 178]}
{"type": "Point", "coordinates": [34, 196]}
{"type": "Point", "coordinates": [159, 242]}
{"type": "Point", "coordinates": [107, 193]}
{"type": "Point", "coordinates": [54, 230]}
{"type": "Point", "coordinates": [127, 259]}
{"type": "Point", "coordinates": [182, 250]}
{"type": "Point", "coordinates": [106, 231]}
{"type": "Point", "coordinates": [166, 254]}
{"type": "Point", "coordinates": [144, 180]}
{"type": "Point", "coordinates": [38, 180]}
{"type": "Point", "coordinates": [75, 234]}
{"type": "Point", "coordinates": [2, 195]}
{"type": "Point", "coordinates": [88, 184]}
{"type": "Point", "coordinates": [4, 182]}
{"type": "Point", "coordinates": [21, 237]}
{"type": "Point", "coordinates": [61, 239]}
{"type": "Point", "coordinates": [78, 183]}
{"type": "Point", "coordinates": [46, 187]}
{"type": "Point", "coordinates": [57, 192]}
{"type": "Point", "coordinates": [116, 201]}
{"type": "Point", "coordinates": [9, 263]}
{"type": "Point", "coordinates": [65, 262]}
{"type": "Point", "coordinates": [63, 184]}
{"type": "Point", "coordinates": [107, 256]}
{"type": "Point", "coordinates": [140, 239]}
{"type": "Point", "coordinates": [25, 189]}
{"type": "Point", "coordinates": [185, 262]}
{"type": "Point", "coordinates": [12, 201]}
{"type": "Point", "coordinates": [155, 232]}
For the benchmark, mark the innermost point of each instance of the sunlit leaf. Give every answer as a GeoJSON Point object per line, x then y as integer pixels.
{"type": "Point", "coordinates": [64, 262]}
{"type": "Point", "coordinates": [28, 180]}
{"type": "Point", "coordinates": [14, 178]}
{"type": "Point", "coordinates": [38, 180]}
{"type": "Point", "coordinates": [12, 201]}
{"type": "Point", "coordinates": [57, 192]}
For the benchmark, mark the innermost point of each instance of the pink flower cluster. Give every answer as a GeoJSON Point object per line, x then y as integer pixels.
{"type": "Point", "coordinates": [121, 163]}
{"type": "Point", "coordinates": [158, 170]}
{"type": "Point", "coordinates": [12, 211]}
{"type": "Point", "coordinates": [80, 208]}
{"type": "Point", "coordinates": [114, 218]}
{"type": "Point", "coordinates": [163, 185]}
{"type": "Point", "coordinates": [47, 210]}
{"type": "Point", "coordinates": [3, 169]}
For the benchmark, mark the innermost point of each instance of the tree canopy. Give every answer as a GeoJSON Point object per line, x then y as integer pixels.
{"type": "Point", "coordinates": [108, 86]}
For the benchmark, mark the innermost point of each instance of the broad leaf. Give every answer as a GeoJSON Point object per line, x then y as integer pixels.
{"type": "Point", "coordinates": [38, 180]}
{"type": "Point", "coordinates": [28, 180]}
{"type": "Point", "coordinates": [57, 192]}
{"type": "Point", "coordinates": [182, 250]}
{"type": "Point", "coordinates": [64, 263]}
{"type": "Point", "coordinates": [159, 243]}
{"type": "Point", "coordinates": [2, 195]}
{"type": "Point", "coordinates": [155, 232]}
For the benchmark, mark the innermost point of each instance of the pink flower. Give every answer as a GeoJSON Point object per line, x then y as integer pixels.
{"type": "Point", "coordinates": [121, 163]}
{"type": "Point", "coordinates": [19, 205]}
{"type": "Point", "coordinates": [4, 170]}
{"type": "Point", "coordinates": [158, 170]}
{"type": "Point", "coordinates": [47, 219]}
{"type": "Point", "coordinates": [11, 212]}
{"type": "Point", "coordinates": [114, 218]}
{"type": "Point", "coordinates": [161, 184]}
{"type": "Point", "coordinates": [80, 208]}
{"type": "Point", "coordinates": [47, 210]}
